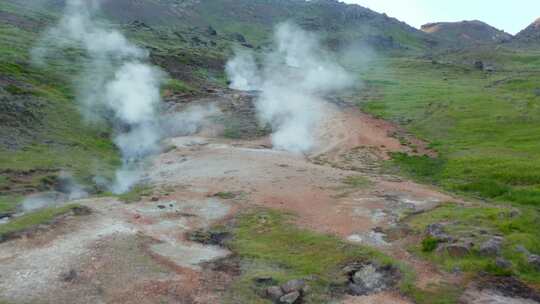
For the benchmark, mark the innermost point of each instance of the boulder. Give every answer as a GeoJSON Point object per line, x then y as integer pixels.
{"type": "Point", "coordinates": [293, 285]}
{"type": "Point", "coordinates": [436, 231]}
{"type": "Point", "coordinates": [479, 64]}
{"type": "Point", "coordinates": [367, 280]}
{"type": "Point", "coordinates": [290, 298]}
{"type": "Point", "coordinates": [274, 293]}
{"type": "Point", "coordinates": [211, 31]}
{"type": "Point", "coordinates": [492, 247]}
{"type": "Point", "coordinates": [534, 260]}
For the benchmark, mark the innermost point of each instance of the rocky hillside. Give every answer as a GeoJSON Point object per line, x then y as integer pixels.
{"type": "Point", "coordinates": [466, 33]}
{"type": "Point", "coordinates": [531, 34]}
{"type": "Point", "coordinates": [251, 21]}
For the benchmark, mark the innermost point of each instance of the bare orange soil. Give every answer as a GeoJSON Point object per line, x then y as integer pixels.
{"type": "Point", "coordinates": [138, 253]}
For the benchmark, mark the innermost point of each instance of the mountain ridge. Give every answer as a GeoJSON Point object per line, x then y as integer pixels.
{"type": "Point", "coordinates": [467, 32]}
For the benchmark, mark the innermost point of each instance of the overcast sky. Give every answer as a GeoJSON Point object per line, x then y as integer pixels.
{"type": "Point", "coordinates": [511, 16]}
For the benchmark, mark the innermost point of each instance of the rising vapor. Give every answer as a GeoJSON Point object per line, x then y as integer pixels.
{"type": "Point", "coordinates": [115, 84]}
{"type": "Point", "coordinates": [293, 80]}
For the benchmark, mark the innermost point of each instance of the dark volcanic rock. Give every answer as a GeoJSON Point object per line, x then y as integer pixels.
{"type": "Point", "coordinates": [534, 260]}
{"type": "Point", "coordinates": [274, 293]}
{"type": "Point", "coordinates": [492, 247]}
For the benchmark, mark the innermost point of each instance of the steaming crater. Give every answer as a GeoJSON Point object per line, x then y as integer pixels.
{"type": "Point", "coordinates": [293, 80]}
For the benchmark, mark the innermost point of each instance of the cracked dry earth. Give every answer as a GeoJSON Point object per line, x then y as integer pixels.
{"type": "Point", "coordinates": [139, 252]}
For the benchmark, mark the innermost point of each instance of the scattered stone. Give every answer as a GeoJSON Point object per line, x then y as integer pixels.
{"type": "Point", "coordinates": [456, 250]}
{"type": "Point", "coordinates": [479, 64]}
{"type": "Point", "coordinates": [290, 298]}
{"type": "Point", "coordinates": [69, 276]}
{"type": "Point", "coordinates": [211, 31]}
{"type": "Point", "coordinates": [239, 37]}
{"type": "Point", "coordinates": [534, 260]}
{"type": "Point", "coordinates": [293, 285]}
{"type": "Point", "coordinates": [492, 247]}
{"type": "Point", "coordinates": [274, 293]}
{"type": "Point", "coordinates": [522, 249]}
{"type": "Point", "coordinates": [436, 231]}
{"type": "Point", "coordinates": [503, 263]}
{"type": "Point", "coordinates": [6, 215]}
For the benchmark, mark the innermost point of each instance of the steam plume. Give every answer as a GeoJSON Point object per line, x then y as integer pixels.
{"type": "Point", "coordinates": [293, 80]}
{"type": "Point", "coordinates": [115, 83]}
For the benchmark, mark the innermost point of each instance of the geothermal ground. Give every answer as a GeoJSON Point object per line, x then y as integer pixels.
{"type": "Point", "coordinates": [141, 252]}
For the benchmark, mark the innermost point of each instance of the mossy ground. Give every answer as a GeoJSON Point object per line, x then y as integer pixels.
{"type": "Point", "coordinates": [34, 219]}
{"type": "Point", "coordinates": [518, 225]}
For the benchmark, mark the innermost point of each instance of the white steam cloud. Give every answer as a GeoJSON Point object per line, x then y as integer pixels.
{"type": "Point", "coordinates": [116, 83]}
{"type": "Point", "coordinates": [293, 79]}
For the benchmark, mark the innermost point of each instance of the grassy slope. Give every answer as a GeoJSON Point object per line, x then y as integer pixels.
{"type": "Point", "coordinates": [61, 141]}
{"type": "Point", "coordinates": [485, 126]}
{"type": "Point", "coordinates": [269, 245]}
{"type": "Point", "coordinates": [517, 229]}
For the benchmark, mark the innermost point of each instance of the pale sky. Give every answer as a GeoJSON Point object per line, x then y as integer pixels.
{"type": "Point", "coordinates": [508, 15]}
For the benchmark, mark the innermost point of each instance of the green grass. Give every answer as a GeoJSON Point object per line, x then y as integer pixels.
{"type": "Point", "coordinates": [486, 127]}
{"type": "Point", "coordinates": [437, 294]}
{"type": "Point", "coordinates": [429, 244]}
{"type": "Point", "coordinates": [270, 245]}
{"type": "Point", "coordinates": [517, 228]}
{"type": "Point", "coordinates": [8, 203]}
{"type": "Point", "coordinates": [177, 86]}
{"type": "Point", "coordinates": [33, 219]}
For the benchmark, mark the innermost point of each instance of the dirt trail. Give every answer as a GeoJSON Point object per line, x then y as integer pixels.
{"type": "Point", "coordinates": [138, 253]}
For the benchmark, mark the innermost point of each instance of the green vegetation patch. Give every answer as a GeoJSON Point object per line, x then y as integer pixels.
{"type": "Point", "coordinates": [31, 220]}
{"type": "Point", "coordinates": [485, 126]}
{"type": "Point", "coordinates": [520, 228]}
{"type": "Point", "coordinates": [271, 246]}
{"type": "Point", "coordinates": [8, 203]}
{"type": "Point", "coordinates": [173, 86]}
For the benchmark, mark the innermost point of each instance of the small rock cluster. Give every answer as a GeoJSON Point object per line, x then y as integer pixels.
{"type": "Point", "coordinates": [291, 292]}
{"type": "Point", "coordinates": [370, 278]}
{"type": "Point", "coordinates": [459, 247]}
{"type": "Point", "coordinates": [532, 259]}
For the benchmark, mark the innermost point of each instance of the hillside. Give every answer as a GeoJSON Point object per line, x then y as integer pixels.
{"type": "Point", "coordinates": [255, 19]}
{"type": "Point", "coordinates": [466, 33]}
{"type": "Point", "coordinates": [530, 34]}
